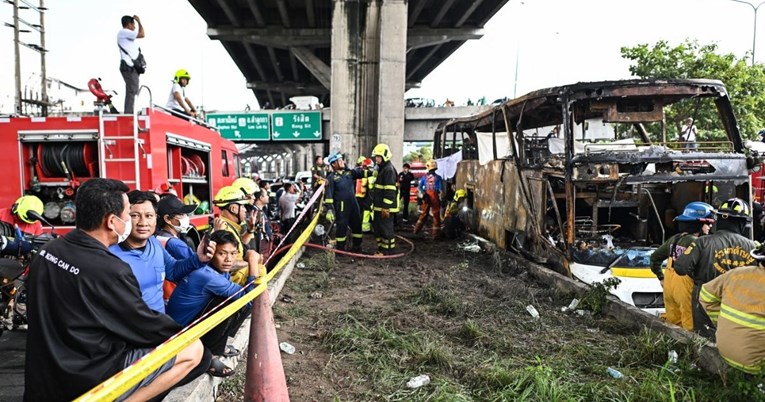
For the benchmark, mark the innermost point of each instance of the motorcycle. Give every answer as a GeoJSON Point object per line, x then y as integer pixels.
{"type": "Point", "coordinates": [13, 275]}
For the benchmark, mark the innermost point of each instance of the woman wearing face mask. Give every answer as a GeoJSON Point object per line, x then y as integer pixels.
{"type": "Point", "coordinates": [173, 221]}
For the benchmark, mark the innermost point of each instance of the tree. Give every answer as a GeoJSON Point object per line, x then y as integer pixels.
{"type": "Point", "coordinates": [421, 155]}
{"type": "Point", "coordinates": [745, 83]}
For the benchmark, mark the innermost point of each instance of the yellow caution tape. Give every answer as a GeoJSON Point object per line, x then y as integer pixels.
{"type": "Point", "coordinates": [121, 382]}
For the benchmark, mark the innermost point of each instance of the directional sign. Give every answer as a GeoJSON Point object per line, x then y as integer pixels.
{"type": "Point", "coordinates": [296, 126]}
{"type": "Point", "coordinates": [241, 126]}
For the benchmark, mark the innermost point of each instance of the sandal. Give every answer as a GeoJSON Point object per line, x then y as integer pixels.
{"type": "Point", "coordinates": [218, 369]}
{"type": "Point", "coordinates": [231, 351]}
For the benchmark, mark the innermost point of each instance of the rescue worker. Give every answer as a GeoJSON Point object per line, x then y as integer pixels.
{"type": "Point", "coordinates": [232, 204]}
{"type": "Point", "coordinates": [17, 214]}
{"type": "Point", "coordinates": [341, 202]}
{"type": "Point", "coordinates": [318, 172]}
{"type": "Point", "coordinates": [710, 256]}
{"type": "Point", "coordinates": [384, 200]}
{"type": "Point", "coordinates": [430, 191]}
{"type": "Point", "coordinates": [405, 179]}
{"type": "Point", "coordinates": [696, 220]}
{"type": "Point", "coordinates": [249, 188]}
{"type": "Point", "coordinates": [363, 196]}
{"type": "Point", "coordinates": [178, 101]}
{"type": "Point", "coordinates": [453, 224]}
{"type": "Point", "coordinates": [734, 302]}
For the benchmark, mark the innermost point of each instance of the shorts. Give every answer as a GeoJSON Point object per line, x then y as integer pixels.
{"type": "Point", "coordinates": [136, 354]}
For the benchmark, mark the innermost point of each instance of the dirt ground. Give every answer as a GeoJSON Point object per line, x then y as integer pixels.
{"type": "Point", "coordinates": [363, 327]}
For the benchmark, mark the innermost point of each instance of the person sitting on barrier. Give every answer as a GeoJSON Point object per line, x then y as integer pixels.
{"type": "Point", "coordinates": [205, 288]}
{"type": "Point", "coordinates": [150, 262]}
{"type": "Point", "coordinates": [178, 101]}
{"type": "Point", "coordinates": [696, 220]}
{"type": "Point", "coordinates": [87, 319]}
{"type": "Point", "coordinates": [340, 201]}
{"type": "Point", "coordinates": [734, 302]}
{"type": "Point", "coordinates": [18, 214]}
{"type": "Point", "coordinates": [233, 210]}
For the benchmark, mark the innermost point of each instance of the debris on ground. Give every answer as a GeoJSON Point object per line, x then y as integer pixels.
{"type": "Point", "coordinates": [419, 381]}
{"type": "Point", "coordinates": [287, 348]}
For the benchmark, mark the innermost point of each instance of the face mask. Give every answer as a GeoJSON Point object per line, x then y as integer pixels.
{"type": "Point", "coordinates": [184, 224]}
{"type": "Point", "coordinates": [125, 233]}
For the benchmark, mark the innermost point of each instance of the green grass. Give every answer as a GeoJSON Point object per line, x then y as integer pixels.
{"type": "Point", "coordinates": [487, 348]}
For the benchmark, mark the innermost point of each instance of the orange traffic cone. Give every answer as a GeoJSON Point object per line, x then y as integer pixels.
{"type": "Point", "coordinates": [265, 373]}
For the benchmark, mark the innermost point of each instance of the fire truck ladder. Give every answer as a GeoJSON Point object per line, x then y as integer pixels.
{"type": "Point", "coordinates": [105, 143]}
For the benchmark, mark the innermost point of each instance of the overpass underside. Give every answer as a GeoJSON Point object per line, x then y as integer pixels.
{"type": "Point", "coordinates": [359, 56]}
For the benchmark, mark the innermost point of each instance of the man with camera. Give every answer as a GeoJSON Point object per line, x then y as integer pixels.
{"type": "Point", "coordinates": [129, 51]}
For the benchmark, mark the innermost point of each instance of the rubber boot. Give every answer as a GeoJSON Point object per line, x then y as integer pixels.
{"type": "Point", "coordinates": [418, 226]}
{"type": "Point", "coordinates": [340, 246]}
{"type": "Point", "coordinates": [356, 247]}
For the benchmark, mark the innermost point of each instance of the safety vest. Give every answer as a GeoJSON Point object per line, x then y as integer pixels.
{"type": "Point", "coordinates": [361, 187]}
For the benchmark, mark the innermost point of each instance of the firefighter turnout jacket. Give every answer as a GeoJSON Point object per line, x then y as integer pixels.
{"type": "Point", "coordinates": [677, 288]}
{"type": "Point", "coordinates": [734, 303]}
{"type": "Point", "coordinates": [341, 199]}
{"type": "Point", "coordinates": [707, 258]}
{"type": "Point", "coordinates": [385, 197]}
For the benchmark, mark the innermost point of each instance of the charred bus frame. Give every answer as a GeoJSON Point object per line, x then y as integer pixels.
{"type": "Point", "coordinates": [586, 199]}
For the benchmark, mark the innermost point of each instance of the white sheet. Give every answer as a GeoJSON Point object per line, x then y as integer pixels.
{"type": "Point", "coordinates": [447, 167]}
{"type": "Point", "coordinates": [486, 147]}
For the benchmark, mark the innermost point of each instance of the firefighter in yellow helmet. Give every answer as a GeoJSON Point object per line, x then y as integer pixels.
{"type": "Point", "coordinates": [18, 214]}
{"type": "Point", "coordinates": [384, 200]}
{"type": "Point", "coordinates": [249, 188]}
{"type": "Point", "coordinates": [430, 190]}
{"type": "Point", "coordinates": [453, 219]}
{"type": "Point", "coordinates": [233, 203]}
{"type": "Point", "coordinates": [178, 101]}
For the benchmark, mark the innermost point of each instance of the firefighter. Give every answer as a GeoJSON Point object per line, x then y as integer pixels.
{"type": "Point", "coordinates": [696, 220]}
{"type": "Point", "coordinates": [363, 195]}
{"type": "Point", "coordinates": [733, 301]}
{"type": "Point", "coordinates": [249, 188]}
{"type": "Point", "coordinates": [430, 191]}
{"type": "Point", "coordinates": [17, 214]}
{"type": "Point", "coordinates": [384, 200]}
{"type": "Point", "coordinates": [341, 202]}
{"type": "Point", "coordinates": [233, 210]}
{"type": "Point", "coordinates": [710, 256]}
{"type": "Point", "coordinates": [453, 225]}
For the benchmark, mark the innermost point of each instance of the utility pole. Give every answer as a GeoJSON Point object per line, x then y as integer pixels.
{"type": "Point", "coordinates": [754, 34]}
{"type": "Point", "coordinates": [18, 54]}
{"type": "Point", "coordinates": [43, 73]}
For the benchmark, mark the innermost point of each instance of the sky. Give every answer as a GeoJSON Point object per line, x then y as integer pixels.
{"type": "Point", "coordinates": [552, 42]}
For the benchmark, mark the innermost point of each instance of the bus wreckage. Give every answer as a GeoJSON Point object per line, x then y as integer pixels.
{"type": "Point", "coordinates": [587, 178]}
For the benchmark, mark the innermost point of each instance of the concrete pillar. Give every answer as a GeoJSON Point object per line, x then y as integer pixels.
{"type": "Point", "coordinates": [370, 80]}
{"type": "Point", "coordinates": [346, 52]}
{"type": "Point", "coordinates": [393, 27]}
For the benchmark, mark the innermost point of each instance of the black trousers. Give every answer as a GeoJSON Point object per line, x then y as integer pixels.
{"type": "Point", "coordinates": [405, 202]}
{"type": "Point", "coordinates": [386, 238]}
{"type": "Point", "coordinates": [216, 339]}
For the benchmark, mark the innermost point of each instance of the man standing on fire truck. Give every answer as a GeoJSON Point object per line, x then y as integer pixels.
{"type": "Point", "coordinates": [129, 51]}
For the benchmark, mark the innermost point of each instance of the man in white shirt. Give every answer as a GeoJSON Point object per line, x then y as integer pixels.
{"type": "Point", "coordinates": [128, 52]}
{"type": "Point", "coordinates": [688, 135]}
{"type": "Point", "coordinates": [287, 203]}
{"type": "Point", "coordinates": [178, 101]}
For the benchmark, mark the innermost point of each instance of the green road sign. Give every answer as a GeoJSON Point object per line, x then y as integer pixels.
{"type": "Point", "coordinates": [241, 126]}
{"type": "Point", "coordinates": [296, 126]}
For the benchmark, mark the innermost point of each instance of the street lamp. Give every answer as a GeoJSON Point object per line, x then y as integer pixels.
{"type": "Point", "coordinates": [754, 34]}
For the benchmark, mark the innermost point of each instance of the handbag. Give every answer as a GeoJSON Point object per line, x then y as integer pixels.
{"type": "Point", "coordinates": [139, 63]}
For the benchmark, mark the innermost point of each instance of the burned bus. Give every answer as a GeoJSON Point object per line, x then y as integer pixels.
{"type": "Point", "coordinates": [587, 178]}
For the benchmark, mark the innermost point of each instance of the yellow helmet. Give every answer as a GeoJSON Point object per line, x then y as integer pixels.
{"type": "Point", "coordinates": [431, 164]}
{"type": "Point", "coordinates": [182, 73]}
{"type": "Point", "coordinates": [460, 194]}
{"type": "Point", "coordinates": [229, 195]}
{"type": "Point", "coordinates": [25, 204]}
{"type": "Point", "coordinates": [383, 151]}
{"type": "Point", "coordinates": [361, 159]}
{"type": "Point", "coordinates": [246, 185]}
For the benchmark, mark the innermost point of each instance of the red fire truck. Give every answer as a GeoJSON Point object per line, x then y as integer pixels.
{"type": "Point", "coordinates": [51, 156]}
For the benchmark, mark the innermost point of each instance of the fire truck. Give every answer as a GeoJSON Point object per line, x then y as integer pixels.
{"type": "Point", "coordinates": [50, 157]}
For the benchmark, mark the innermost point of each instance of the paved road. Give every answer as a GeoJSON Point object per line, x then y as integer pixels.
{"type": "Point", "coordinates": [12, 345]}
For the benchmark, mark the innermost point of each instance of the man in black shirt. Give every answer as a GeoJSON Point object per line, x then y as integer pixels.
{"type": "Point", "coordinates": [405, 179]}
{"type": "Point", "coordinates": [87, 320]}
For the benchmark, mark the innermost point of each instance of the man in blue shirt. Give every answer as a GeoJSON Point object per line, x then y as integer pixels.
{"type": "Point", "coordinates": [209, 286]}
{"type": "Point", "coordinates": [150, 262]}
